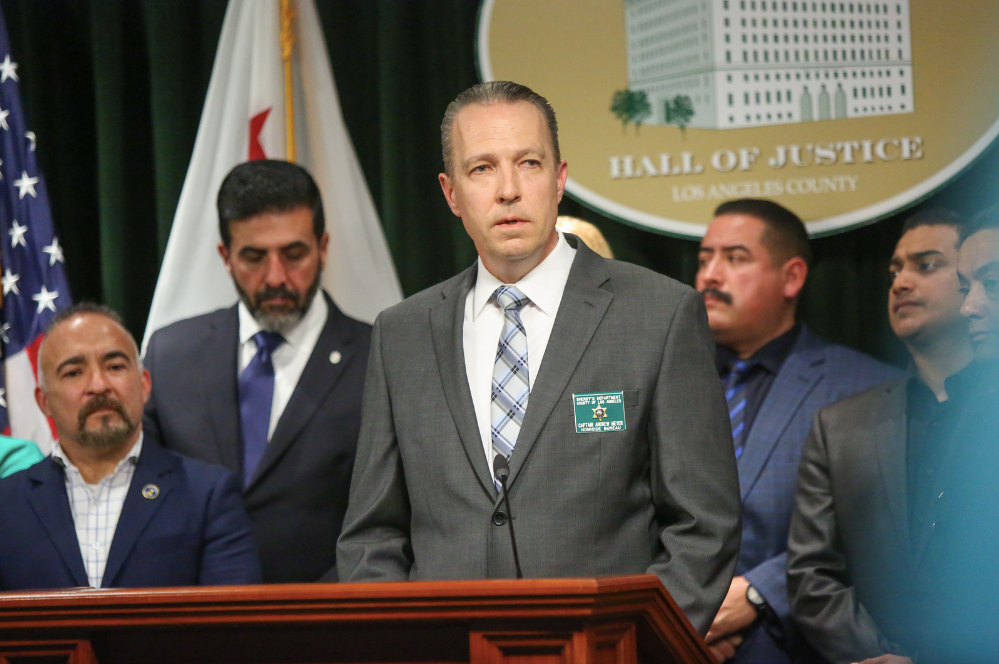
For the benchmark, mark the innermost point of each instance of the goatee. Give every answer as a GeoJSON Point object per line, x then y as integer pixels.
{"type": "Point", "coordinates": [108, 436]}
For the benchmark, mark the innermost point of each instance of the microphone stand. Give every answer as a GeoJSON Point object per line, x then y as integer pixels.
{"type": "Point", "coordinates": [501, 468]}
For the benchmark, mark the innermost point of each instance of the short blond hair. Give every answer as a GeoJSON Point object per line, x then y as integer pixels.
{"type": "Point", "coordinates": [586, 232]}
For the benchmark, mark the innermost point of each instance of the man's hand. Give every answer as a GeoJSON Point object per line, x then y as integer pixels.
{"type": "Point", "coordinates": [736, 613]}
{"type": "Point", "coordinates": [725, 648]}
{"type": "Point", "coordinates": [887, 659]}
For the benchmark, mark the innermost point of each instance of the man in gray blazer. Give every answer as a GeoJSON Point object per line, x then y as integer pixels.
{"type": "Point", "coordinates": [592, 379]}
{"type": "Point", "coordinates": [875, 483]}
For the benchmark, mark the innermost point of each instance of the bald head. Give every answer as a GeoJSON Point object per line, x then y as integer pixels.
{"type": "Point", "coordinates": [91, 380]}
{"type": "Point", "coordinates": [66, 316]}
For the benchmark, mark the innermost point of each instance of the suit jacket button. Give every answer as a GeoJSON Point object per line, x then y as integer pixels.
{"type": "Point", "coordinates": [499, 518]}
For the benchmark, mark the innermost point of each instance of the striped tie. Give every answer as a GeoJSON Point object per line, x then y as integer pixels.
{"type": "Point", "coordinates": [735, 395]}
{"type": "Point", "coordinates": [511, 384]}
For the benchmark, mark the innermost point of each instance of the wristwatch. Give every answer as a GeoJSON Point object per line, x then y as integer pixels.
{"type": "Point", "coordinates": [754, 597]}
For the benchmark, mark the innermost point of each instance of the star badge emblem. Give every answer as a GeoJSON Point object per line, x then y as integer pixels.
{"type": "Point", "coordinates": [599, 413]}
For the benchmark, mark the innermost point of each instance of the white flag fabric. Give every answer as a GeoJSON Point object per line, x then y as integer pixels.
{"type": "Point", "coordinates": [244, 117]}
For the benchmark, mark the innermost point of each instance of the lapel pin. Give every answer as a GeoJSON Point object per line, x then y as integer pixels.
{"type": "Point", "coordinates": [150, 491]}
{"type": "Point", "coordinates": [335, 357]}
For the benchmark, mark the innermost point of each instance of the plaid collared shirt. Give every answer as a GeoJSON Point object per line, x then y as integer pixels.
{"type": "Point", "coordinates": [97, 507]}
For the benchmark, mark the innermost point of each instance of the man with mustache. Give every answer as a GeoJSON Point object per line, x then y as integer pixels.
{"type": "Point", "coordinates": [776, 374]}
{"type": "Point", "coordinates": [108, 509]}
{"type": "Point", "coordinates": [587, 383]}
{"type": "Point", "coordinates": [270, 387]}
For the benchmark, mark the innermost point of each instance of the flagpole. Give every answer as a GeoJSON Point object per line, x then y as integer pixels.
{"type": "Point", "coordinates": [287, 42]}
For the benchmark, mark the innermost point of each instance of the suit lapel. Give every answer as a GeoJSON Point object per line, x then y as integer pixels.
{"type": "Point", "coordinates": [583, 306]}
{"type": "Point", "coordinates": [218, 376]}
{"type": "Point", "coordinates": [447, 330]}
{"type": "Point", "coordinates": [50, 503]}
{"type": "Point", "coordinates": [317, 379]}
{"type": "Point", "coordinates": [889, 439]}
{"type": "Point", "coordinates": [155, 466]}
{"type": "Point", "coordinates": [801, 372]}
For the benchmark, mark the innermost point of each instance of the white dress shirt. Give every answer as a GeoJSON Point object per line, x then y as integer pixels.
{"type": "Point", "coordinates": [484, 321]}
{"type": "Point", "coordinates": [289, 359]}
{"type": "Point", "coordinates": [96, 508]}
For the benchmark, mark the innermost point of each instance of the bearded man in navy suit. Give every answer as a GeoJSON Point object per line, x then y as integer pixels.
{"type": "Point", "coordinates": [776, 374]}
{"type": "Point", "coordinates": [271, 387]}
{"type": "Point", "coordinates": [108, 509]}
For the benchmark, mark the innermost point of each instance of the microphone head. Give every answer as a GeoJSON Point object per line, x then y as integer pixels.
{"type": "Point", "coordinates": [501, 468]}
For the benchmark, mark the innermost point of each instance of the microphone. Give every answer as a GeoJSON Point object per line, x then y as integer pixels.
{"type": "Point", "coordinates": [501, 470]}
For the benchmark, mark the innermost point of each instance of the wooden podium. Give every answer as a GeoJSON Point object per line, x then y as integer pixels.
{"type": "Point", "coordinates": [572, 621]}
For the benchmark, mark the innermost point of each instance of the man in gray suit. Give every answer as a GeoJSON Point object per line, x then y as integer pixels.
{"type": "Point", "coordinates": [592, 378]}
{"type": "Point", "coordinates": [875, 487]}
{"type": "Point", "coordinates": [753, 263]}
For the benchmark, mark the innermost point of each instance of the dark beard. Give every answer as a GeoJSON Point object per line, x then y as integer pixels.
{"type": "Point", "coordinates": [279, 321]}
{"type": "Point", "coordinates": [108, 436]}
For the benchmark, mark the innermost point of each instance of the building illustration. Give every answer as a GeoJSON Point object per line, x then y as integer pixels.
{"type": "Point", "coordinates": [748, 63]}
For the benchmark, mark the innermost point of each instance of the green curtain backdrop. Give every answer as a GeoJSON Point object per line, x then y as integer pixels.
{"type": "Point", "coordinates": [114, 91]}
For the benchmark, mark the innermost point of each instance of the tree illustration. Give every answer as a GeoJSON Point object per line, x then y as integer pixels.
{"type": "Point", "coordinates": [631, 106]}
{"type": "Point", "coordinates": [679, 111]}
{"type": "Point", "coordinates": [641, 109]}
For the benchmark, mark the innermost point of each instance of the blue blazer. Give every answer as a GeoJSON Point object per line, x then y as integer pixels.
{"type": "Point", "coordinates": [195, 532]}
{"type": "Point", "coordinates": [815, 374]}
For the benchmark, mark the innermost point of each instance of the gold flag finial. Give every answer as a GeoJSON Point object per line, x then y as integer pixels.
{"type": "Point", "coordinates": [287, 43]}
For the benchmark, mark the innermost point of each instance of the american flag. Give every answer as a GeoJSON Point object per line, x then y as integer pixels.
{"type": "Point", "coordinates": [31, 260]}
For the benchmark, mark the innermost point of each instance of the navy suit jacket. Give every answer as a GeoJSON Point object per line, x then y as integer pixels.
{"type": "Point", "coordinates": [298, 495]}
{"type": "Point", "coordinates": [195, 532]}
{"type": "Point", "coordinates": [815, 374]}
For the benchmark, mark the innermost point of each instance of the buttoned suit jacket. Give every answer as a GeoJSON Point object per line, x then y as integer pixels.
{"type": "Point", "coordinates": [195, 531]}
{"type": "Point", "coordinates": [298, 495]}
{"type": "Point", "coordinates": [858, 586]}
{"type": "Point", "coordinates": [815, 374]}
{"type": "Point", "coordinates": [660, 496]}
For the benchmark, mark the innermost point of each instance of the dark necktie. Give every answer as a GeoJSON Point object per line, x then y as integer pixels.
{"type": "Point", "coordinates": [256, 393]}
{"type": "Point", "coordinates": [736, 395]}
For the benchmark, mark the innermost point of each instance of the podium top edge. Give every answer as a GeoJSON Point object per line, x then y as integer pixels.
{"type": "Point", "coordinates": [428, 591]}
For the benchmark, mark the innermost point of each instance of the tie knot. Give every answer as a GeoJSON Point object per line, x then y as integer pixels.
{"type": "Point", "coordinates": [267, 341]}
{"type": "Point", "coordinates": [739, 369]}
{"type": "Point", "coordinates": [510, 297]}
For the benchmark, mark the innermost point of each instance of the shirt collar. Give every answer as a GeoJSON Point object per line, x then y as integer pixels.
{"type": "Point", "coordinates": [966, 381]}
{"type": "Point", "coordinates": [314, 316]}
{"type": "Point", "coordinates": [59, 456]}
{"type": "Point", "coordinates": [543, 285]}
{"type": "Point", "coordinates": [958, 386]}
{"type": "Point", "coordinates": [771, 356]}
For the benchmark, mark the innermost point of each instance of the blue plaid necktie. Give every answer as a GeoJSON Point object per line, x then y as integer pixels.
{"type": "Point", "coordinates": [256, 393]}
{"type": "Point", "coordinates": [735, 395]}
{"type": "Point", "coordinates": [511, 376]}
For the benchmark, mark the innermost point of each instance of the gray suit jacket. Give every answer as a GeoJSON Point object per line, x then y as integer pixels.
{"type": "Point", "coordinates": [851, 569]}
{"type": "Point", "coordinates": [858, 586]}
{"type": "Point", "coordinates": [662, 496]}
